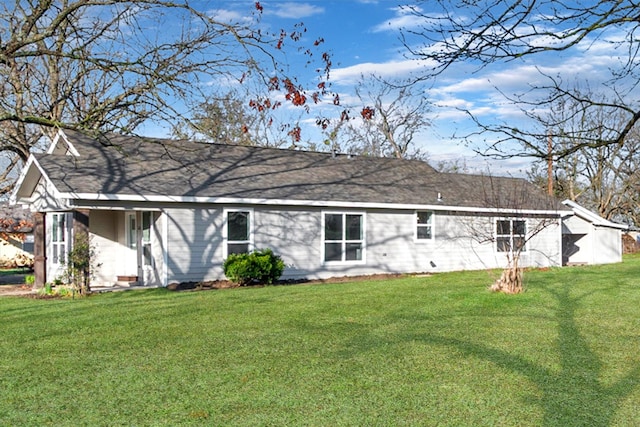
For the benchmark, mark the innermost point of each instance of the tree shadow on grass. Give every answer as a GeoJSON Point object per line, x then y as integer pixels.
{"type": "Point", "coordinates": [572, 396]}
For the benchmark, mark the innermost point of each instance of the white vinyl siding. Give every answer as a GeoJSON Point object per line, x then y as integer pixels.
{"type": "Point", "coordinates": [196, 243]}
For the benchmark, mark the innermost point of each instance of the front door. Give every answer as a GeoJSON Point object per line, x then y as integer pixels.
{"type": "Point", "coordinates": [139, 258]}
{"type": "Point", "coordinates": [131, 254]}
{"type": "Point", "coordinates": [145, 255]}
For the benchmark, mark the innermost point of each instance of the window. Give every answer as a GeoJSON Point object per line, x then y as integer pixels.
{"type": "Point", "coordinates": [511, 235]}
{"type": "Point", "coordinates": [343, 237]}
{"type": "Point", "coordinates": [238, 231]}
{"type": "Point", "coordinates": [424, 227]}
{"type": "Point", "coordinates": [58, 238]}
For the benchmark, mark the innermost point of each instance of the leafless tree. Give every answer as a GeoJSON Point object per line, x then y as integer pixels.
{"type": "Point", "coordinates": [385, 122]}
{"type": "Point", "coordinates": [480, 34]}
{"type": "Point", "coordinates": [228, 118]}
{"type": "Point", "coordinates": [514, 226]}
{"type": "Point", "coordinates": [113, 65]}
{"type": "Point", "coordinates": [605, 178]}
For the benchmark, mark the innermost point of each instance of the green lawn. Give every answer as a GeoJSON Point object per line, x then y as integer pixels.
{"type": "Point", "coordinates": [437, 350]}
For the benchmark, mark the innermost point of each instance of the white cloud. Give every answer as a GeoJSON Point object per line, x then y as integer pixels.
{"type": "Point", "coordinates": [293, 10]}
{"type": "Point", "coordinates": [229, 16]}
{"type": "Point", "coordinates": [394, 68]}
{"type": "Point", "coordinates": [404, 18]}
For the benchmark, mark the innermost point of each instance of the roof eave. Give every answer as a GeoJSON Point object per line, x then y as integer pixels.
{"type": "Point", "coordinates": [83, 198]}
{"type": "Point", "coordinates": [592, 217]}
{"type": "Point", "coordinates": [31, 163]}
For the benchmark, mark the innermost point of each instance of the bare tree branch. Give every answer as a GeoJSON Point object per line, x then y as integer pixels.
{"type": "Point", "coordinates": [480, 34]}
{"type": "Point", "coordinates": [113, 65]}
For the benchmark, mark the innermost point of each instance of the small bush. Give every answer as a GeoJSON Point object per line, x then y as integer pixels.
{"type": "Point", "coordinates": [29, 279]}
{"type": "Point", "coordinates": [261, 266]}
{"type": "Point", "coordinates": [56, 289]}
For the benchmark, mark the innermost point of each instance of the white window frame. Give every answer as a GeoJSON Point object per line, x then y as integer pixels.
{"type": "Point", "coordinates": [60, 237]}
{"type": "Point", "coordinates": [430, 225]}
{"type": "Point", "coordinates": [225, 230]}
{"type": "Point", "coordinates": [511, 235]}
{"type": "Point", "coordinates": [343, 241]}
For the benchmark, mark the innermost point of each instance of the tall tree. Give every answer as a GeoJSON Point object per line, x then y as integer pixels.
{"type": "Point", "coordinates": [491, 32]}
{"type": "Point", "coordinates": [113, 65]}
{"type": "Point", "coordinates": [385, 122]}
{"type": "Point", "coordinates": [603, 178]}
{"type": "Point", "coordinates": [228, 118]}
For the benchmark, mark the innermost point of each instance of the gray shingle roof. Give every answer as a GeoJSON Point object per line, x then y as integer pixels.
{"type": "Point", "coordinates": [127, 165]}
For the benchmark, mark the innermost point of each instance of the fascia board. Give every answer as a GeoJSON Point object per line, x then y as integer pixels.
{"type": "Point", "coordinates": [592, 217]}
{"type": "Point", "coordinates": [23, 173]}
{"type": "Point", "coordinates": [31, 163]}
{"type": "Point", "coordinates": [56, 140]}
{"type": "Point", "coordinates": [290, 202]}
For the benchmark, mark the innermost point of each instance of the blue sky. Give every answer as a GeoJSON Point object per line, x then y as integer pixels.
{"type": "Point", "coordinates": [363, 37]}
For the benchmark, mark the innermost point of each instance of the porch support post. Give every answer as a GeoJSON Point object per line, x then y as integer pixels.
{"type": "Point", "coordinates": [39, 250]}
{"type": "Point", "coordinates": [81, 223]}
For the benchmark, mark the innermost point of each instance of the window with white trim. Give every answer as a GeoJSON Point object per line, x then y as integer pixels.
{"type": "Point", "coordinates": [343, 237]}
{"type": "Point", "coordinates": [424, 225]}
{"type": "Point", "coordinates": [58, 238]}
{"type": "Point", "coordinates": [511, 235]}
{"type": "Point", "coordinates": [238, 231]}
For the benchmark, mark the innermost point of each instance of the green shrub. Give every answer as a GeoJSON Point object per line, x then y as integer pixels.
{"type": "Point", "coordinates": [261, 266]}
{"type": "Point", "coordinates": [29, 279]}
{"type": "Point", "coordinates": [56, 289]}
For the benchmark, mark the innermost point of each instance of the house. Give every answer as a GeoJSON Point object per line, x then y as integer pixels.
{"type": "Point", "coordinates": [587, 238]}
{"type": "Point", "coordinates": [16, 237]}
{"type": "Point", "coordinates": [164, 211]}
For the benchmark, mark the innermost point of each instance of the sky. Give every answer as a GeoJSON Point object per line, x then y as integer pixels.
{"type": "Point", "coordinates": [363, 36]}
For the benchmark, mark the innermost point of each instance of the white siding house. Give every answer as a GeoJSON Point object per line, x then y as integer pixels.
{"type": "Point", "coordinates": [162, 211]}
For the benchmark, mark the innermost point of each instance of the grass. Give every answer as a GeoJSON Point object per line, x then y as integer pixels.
{"type": "Point", "coordinates": [427, 351]}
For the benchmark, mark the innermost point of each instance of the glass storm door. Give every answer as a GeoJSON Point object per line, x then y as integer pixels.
{"type": "Point", "coordinates": [145, 254]}
{"type": "Point", "coordinates": [139, 259]}
{"type": "Point", "coordinates": [131, 256]}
